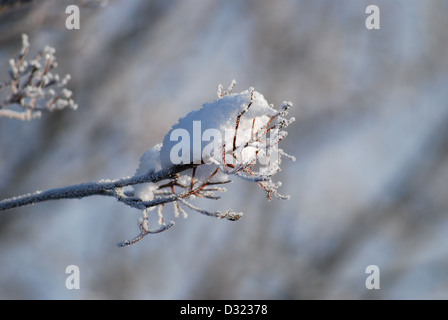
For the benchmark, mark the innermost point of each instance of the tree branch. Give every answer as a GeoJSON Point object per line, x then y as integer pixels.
{"type": "Point", "coordinates": [89, 189]}
{"type": "Point", "coordinates": [251, 145]}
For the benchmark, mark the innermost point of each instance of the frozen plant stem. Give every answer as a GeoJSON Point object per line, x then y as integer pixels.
{"type": "Point", "coordinates": [244, 133]}
{"type": "Point", "coordinates": [78, 191]}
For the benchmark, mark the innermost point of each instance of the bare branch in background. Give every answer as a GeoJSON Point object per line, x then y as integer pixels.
{"type": "Point", "coordinates": [7, 4]}
{"type": "Point", "coordinates": [33, 88]}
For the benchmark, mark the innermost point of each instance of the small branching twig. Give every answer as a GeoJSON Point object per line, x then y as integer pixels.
{"type": "Point", "coordinates": [251, 153]}
{"type": "Point", "coordinates": [33, 87]}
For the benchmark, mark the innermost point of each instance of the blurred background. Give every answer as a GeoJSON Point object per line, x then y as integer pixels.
{"type": "Point", "coordinates": [369, 186]}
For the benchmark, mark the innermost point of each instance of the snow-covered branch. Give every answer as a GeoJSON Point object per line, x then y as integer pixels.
{"type": "Point", "coordinates": [236, 135]}
{"type": "Point", "coordinates": [103, 187]}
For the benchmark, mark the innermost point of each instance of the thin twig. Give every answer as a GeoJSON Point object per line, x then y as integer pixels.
{"type": "Point", "coordinates": [88, 189]}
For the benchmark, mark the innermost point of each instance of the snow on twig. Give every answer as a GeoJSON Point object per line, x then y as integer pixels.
{"type": "Point", "coordinates": [236, 135]}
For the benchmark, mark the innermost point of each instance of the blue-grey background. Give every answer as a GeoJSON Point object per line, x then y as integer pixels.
{"type": "Point", "coordinates": [371, 140]}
